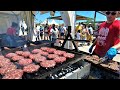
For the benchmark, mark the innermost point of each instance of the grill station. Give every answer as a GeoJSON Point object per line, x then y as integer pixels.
{"type": "Point", "coordinates": [44, 73]}
{"type": "Point", "coordinates": [75, 68]}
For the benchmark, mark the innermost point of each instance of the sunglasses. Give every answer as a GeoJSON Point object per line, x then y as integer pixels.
{"type": "Point", "coordinates": [112, 13]}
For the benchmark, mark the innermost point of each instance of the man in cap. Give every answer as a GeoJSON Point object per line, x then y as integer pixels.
{"type": "Point", "coordinates": [108, 41]}
{"type": "Point", "coordinates": [12, 30]}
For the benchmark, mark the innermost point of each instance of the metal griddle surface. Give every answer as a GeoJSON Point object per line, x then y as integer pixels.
{"type": "Point", "coordinates": [116, 73]}
{"type": "Point", "coordinates": [42, 73]}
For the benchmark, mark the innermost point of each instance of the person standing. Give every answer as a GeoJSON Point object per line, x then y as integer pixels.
{"type": "Point", "coordinates": [84, 33]}
{"type": "Point", "coordinates": [78, 37]}
{"type": "Point", "coordinates": [79, 27]}
{"type": "Point", "coordinates": [46, 36]}
{"type": "Point", "coordinates": [41, 32]}
{"type": "Point", "coordinates": [49, 32]}
{"type": "Point", "coordinates": [107, 42]}
{"type": "Point", "coordinates": [13, 29]}
{"type": "Point", "coordinates": [62, 32]}
{"type": "Point", "coordinates": [54, 33]}
{"type": "Point", "coordinates": [90, 34]}
{"type": "Point", "coordinates": [36, 33]}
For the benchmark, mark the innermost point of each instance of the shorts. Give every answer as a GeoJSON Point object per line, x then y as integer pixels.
{"type": "Point", "coordinates": [62, 34]}
{"type": "Point", "coordinates": [41, 34]}
{"type": "Point", "coordinates": [46, 34]}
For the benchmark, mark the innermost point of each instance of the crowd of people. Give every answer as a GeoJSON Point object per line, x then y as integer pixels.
{"type": "Point", "coordinates": [84, 32]}
{"type": "Point", "coordinates": [50, 32]}
{"type": "Point", "coordinates": [107, 41]}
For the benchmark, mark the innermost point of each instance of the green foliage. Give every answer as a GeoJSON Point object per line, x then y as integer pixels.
{"type": "Point", "coordinates": [89, 20]}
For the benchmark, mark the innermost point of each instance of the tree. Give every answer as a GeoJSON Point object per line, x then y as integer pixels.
{"type": "Point", "coordinates": [89, 20]}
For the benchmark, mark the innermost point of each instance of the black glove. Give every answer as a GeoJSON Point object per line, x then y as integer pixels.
{"type": "Point", "coordinates": [90, 49]}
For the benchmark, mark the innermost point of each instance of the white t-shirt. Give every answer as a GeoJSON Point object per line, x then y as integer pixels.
{"type": "Point", "coordinates": [78, 36]}
{"type": "Point", "coordinates": [91, 30]}
{"type": "Point", "coordinates": [54, 33]}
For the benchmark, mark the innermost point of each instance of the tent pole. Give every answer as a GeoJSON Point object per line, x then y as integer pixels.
{"type": "Point", "coordinates": [95, 18]}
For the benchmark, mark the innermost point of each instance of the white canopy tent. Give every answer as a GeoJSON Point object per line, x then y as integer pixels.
{"type": "Point", "coordinates": [53, 22]}
{"type": "Point", "coordinates": [7, 17]}
{"type": "Point", "coordinates": [45, 21]}
{"type": "Point", "coordinates": [69, 17]}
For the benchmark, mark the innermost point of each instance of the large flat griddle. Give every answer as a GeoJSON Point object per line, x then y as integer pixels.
{"type": "Point", "coordinates": [106, 69]}
{"type": "Point", "coordinates": [42, 73]}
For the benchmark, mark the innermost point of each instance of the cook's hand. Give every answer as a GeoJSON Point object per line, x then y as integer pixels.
{"type": "Point", "coordinates": [111, 53]}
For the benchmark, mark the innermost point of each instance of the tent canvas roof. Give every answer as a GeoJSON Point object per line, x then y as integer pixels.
{"type": "Point", "coordinates": [53, 22]}
{"type": "Point", "coordinates": [103, 12]}
{"type": "Point", "coordinates": [10, 12]}
{"type": "Point", "coordinates": [78, 17]}
{"type": "Point", "coordinates": [45, 21]}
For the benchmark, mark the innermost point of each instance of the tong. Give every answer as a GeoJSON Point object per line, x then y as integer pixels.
{"type": "Point", "coordinates": [103, 59]}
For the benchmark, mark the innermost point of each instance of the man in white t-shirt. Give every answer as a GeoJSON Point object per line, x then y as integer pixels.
{"type": "Point", "coordinates": [54, 33]}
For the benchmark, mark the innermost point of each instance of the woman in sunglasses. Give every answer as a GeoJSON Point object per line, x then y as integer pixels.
{"type": "Point", "coordinates": [108, 40]}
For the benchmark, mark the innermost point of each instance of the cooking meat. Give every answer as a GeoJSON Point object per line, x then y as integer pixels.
{"type": "Point", "coordinates": [10, 55]}
{"type": "Point", "coordinates": [48, 63]}
{"type": "Point", "coordinates": [25, 61]}
{"type": "Point", "coordinates": [19, 52]}
{"type": "Point", "coordinates": [31, 68]}
{"type": "Point", "coordinates": [35, 51]}
{"type": "Point", "coordinates": [51, 50]}
{"type": "Point", "coordinates": [96, 61]}
{"type": "Point", "coordinates": [59, 52]}
{"type": "Point", "coordinates": [1, 57]}
{"type": "Point", "coordinates": [114, 65]}
{"type": "Point", "coordinates": [4, 62]}
{"type": "Point", "coordinates": [69, 55]}
{"type": "Point", "coordinates": [7, 68]}
{"type": "Point", "coordinates": [89, 58]}
{"type": "Point", "coordinates": [44, 48]}
{"type": "Point", "coordinates": [14, 74]}
{"type": "Point", "coordinates": [17, 58]}
{"type": "Point", "coordinates": [44, 53]}
{"type": "Point", "coordinates": [26, 54]}
{"type": "Point", "coordinates": [104, 65]}
{"type": "Point", "coordinates": [39, 59]}
{"type": "Point", "coordinates": [59, 59]}
{"type": "Point", "coordinates": [95, 57]}
{"type": "Point", "coordinates": [32, 56]}
{"type": "Point", "coordinates": [52, 56]}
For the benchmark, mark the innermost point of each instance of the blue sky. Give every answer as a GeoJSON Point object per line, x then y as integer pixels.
{"type": "Point", "coordinates": [99, 17]}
